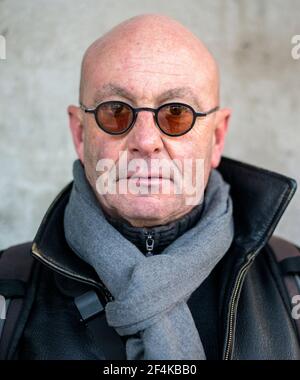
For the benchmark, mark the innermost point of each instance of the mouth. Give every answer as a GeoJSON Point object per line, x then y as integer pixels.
{"type": "Point", "coordinates": [146, 178]}
{"type": "Point", "coordinates": [147, 181]}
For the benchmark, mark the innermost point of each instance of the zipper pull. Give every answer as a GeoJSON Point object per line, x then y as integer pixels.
{"type": "Point", "coordinates": [149, 244]}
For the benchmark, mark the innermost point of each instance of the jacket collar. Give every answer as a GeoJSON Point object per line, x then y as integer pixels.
{"type": "Point", "coordinates": [260, 197]}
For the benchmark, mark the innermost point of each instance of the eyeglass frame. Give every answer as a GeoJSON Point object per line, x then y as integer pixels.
{"type": "Point", "coordinates": [155, 111]}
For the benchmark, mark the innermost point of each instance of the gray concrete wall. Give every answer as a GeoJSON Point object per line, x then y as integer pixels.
{"type": "Point", "coordinates": [39, 78]}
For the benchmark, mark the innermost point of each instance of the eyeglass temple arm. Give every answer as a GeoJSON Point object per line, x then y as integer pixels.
{"type": "Point", "coordinates": [208, 112]}
{"type": "Point", "coordinates": [85, 109]}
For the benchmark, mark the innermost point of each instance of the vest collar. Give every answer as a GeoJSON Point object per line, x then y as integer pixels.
{"type": "Point", "coordinates": [153, 240]}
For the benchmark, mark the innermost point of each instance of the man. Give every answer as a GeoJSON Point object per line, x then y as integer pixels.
{"type": "Point", "coordinates": [180, 275]}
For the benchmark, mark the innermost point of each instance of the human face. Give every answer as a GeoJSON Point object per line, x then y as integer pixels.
{"type": "Point", "coordinates": [149, 75]}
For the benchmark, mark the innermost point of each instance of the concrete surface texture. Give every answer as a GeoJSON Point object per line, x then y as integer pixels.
{"type": "Point", "coordinates": [45, 41]}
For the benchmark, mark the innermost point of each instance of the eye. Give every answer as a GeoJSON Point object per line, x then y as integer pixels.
{"type": "Point", "coordinates": [117, 108]}
{"type": "Point", "coordinates": [177, 110]}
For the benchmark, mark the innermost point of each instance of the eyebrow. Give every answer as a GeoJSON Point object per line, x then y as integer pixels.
{"type": "Point", "coordinates": [113, 89]}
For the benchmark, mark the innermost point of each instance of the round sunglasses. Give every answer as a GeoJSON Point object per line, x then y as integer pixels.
{"type": "Point", "coordinates": [173, 119]}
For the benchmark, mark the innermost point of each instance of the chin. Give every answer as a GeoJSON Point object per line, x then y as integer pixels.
{"type": "Point", "coordinates": [144, 207]}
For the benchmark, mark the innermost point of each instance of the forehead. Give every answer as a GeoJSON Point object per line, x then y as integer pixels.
{"type": "Point", "coordinates": [147, 74]}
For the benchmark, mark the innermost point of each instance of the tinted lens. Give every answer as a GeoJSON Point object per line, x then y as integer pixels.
{"type": "Point", "coordinates": [175, 119]}
{"type": "Point", "coordinates": [114, 117]}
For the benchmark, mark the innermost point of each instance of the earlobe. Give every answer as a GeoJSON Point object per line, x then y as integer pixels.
{"type": "Point", "coordinates": [221, 127]}
{"type": "Point", "coordinates": [77, 131]}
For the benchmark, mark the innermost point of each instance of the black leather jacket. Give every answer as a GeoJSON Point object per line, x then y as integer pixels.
{"type": "Point", "coordinates": [245, 292]}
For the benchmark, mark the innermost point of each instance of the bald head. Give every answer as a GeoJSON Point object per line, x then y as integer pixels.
{"type": "Point", "coordinates": [149, 37]}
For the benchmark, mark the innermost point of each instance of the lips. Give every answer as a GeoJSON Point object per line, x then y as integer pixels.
{"type": "Point", "coordinates": [144, 176]}
{"type": "Point", "coordinates": [149, 181]}
{"type": "Point", "coordinates": [151, 177]}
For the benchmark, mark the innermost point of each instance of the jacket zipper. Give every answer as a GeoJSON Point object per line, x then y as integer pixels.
{"type": "Point", "coordinates": [149, 244]}
{"type": "Point", "coordinates": [231, 317]}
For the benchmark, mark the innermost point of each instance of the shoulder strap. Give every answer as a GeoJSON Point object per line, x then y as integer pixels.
{"type": "Point", "coordinates": [288, 258]}
{"type": "Point", "coordinates": [92, 314]}
{"type": "Point", "coordinates": [15, 269]}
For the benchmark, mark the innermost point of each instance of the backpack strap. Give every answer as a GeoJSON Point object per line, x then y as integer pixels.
{"type": "Point", "coordinates": [288, 258]}
{"type": "Point", "coordinates": [93, 316]}
{"type": "Point", "coordinates": [15, 270]}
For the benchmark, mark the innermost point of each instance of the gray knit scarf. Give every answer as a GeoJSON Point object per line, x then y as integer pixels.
{"type": "Point", "coordinates": [151, 293]}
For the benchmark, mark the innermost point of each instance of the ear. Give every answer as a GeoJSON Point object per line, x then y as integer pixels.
{"type": "Point", "coordinates": [76, 127]}
{"type": "Point", "coordinates": [221, 127]}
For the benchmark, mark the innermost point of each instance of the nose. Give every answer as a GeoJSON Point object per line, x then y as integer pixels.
{"type": "Point", "coordinates": [144, 138]}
